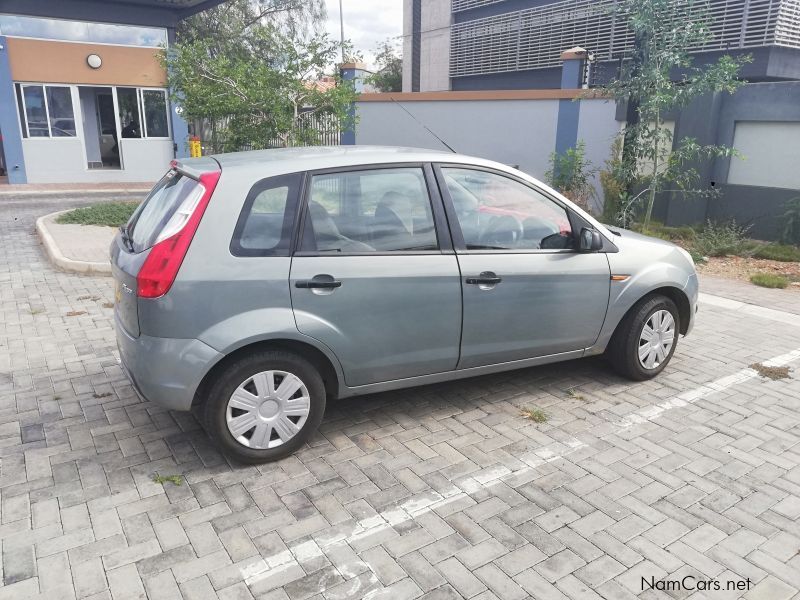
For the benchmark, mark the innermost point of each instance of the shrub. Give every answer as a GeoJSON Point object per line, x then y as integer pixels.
{"type": "Point", "coordinates": [570, 173]}
{"type": "Point", "coordinates": [721, 239]}
{"type": "Point", "coordinates": [768, 280]}
{"type": "Point", "coordinates": [781, 252]}
{"type": "Point", "coordinates": [791, 220]}
{"type": "Point", "coordinates": [111, 214]}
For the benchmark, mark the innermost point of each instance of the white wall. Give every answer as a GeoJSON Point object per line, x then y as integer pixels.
{"type": "Point", "coordinates": [62, 160]}
{"type": "Point", "coordinates": [769, 154]}
{"type": "Point", "coordinates": [513, 132]}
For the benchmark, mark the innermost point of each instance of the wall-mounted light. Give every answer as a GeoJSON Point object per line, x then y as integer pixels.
{"type": "Point", "coordinates": [94, 61]}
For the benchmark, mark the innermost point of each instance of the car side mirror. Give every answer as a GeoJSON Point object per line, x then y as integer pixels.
{"type": "Point", "coordinates": [590, 240]}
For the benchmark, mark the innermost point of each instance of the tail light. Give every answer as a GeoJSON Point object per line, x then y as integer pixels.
{"type": "Point", "coordinates": [161, 266]}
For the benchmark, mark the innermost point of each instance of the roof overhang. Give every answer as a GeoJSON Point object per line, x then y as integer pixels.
{"type": "Point", "coordinates": [151, 13]}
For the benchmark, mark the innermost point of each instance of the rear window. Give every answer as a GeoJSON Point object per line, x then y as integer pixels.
{"type": "Point", "coordinates": [154, 213]}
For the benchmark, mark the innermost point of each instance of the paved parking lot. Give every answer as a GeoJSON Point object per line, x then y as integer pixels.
{"type": "Point", "coordinates": [445, 491]}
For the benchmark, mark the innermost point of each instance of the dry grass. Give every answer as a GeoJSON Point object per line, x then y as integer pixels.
{"type": "Point", "coordinates": [770, 372]}
{"type": "Point", "coordinates": [537, 415]}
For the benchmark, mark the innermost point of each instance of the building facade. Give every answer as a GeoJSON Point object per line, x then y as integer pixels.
{"type": "Point", "coordinates": [83, 89]}
{"type": "Point", "coordinates": [516, 44]}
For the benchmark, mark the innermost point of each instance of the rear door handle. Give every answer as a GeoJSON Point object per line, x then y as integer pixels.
{"type": "Point", "coordinates": [485, 278]}
{"type": "Point", "coordinates": [319, 284]}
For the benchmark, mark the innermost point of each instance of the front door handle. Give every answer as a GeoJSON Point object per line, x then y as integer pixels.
{"type": "Point", "coordinates": [485, 278]}
{"type": "Point", "coordinates": [318, 284]}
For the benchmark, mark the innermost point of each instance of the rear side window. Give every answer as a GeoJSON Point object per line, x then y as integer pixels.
{"type": "Point", "coordinates": [154, 213]}
{"type": "Point", "coordinates": [267, 219]}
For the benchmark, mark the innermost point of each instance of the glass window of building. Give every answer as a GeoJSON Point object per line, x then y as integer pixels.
{"type": "Point", "coordinates": [46, 111]}
{"type": "Point", "coordinates": [79, 31]}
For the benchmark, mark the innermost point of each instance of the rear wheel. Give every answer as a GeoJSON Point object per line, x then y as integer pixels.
{"type": "Point", "coordinates": [264, 406]}
{"type": "Point", "coordinates": [645, 340]}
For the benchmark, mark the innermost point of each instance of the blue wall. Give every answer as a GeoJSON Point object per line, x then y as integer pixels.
{"type": "Point", "coordinates": [9, 123]}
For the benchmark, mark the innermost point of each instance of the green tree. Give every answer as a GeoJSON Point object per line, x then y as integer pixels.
{"type": "Point", "coordinates": [232, 20]}
{"type": "Point", "coordinates": [389, 74]}
{"type": "Point", "coordinates": [660, 77]}
{"type": "Point", "coordinates": [250, 69]}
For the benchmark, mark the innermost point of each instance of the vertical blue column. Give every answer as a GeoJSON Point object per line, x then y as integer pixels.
{"type": "Point", "coordinates": [9, 124]}
{"type": "Point", "coordinates": [180, 128]}
{"type": "Point", "coordinates": [355, 72]}
{"type": "Point", "coordinates": [569, 110]}
{"type": "Point", "coordinates": [180, 132]}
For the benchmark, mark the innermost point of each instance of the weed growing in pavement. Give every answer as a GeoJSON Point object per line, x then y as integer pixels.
{"type": "Point", "coordinates": [537, 415]}
{"type": "Point", "coordinates": [173, 479]}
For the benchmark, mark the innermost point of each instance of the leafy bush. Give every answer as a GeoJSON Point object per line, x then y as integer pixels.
{"type": "Point", "coordinates": [570, 173]}
{"type": "Point", "coordinates": [768, 280]}
{"type": "Point", "coordinates": [791, 219]}
{"type": "Point", "coordinates": [110, 214]}
{"type": "Point", "coordinates": [722, 239]}
{"type": "Point", "coordinates": [781, 252]}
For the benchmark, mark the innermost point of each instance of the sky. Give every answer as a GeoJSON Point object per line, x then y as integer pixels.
{"type": "Point", "coordinates": [367, 23]}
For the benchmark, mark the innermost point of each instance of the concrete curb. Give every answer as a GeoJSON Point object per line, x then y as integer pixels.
{"type": "Point", "coordinates": [61, 261]}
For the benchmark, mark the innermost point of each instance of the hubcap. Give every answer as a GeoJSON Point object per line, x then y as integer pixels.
{"type": "Point", "coordinates": [656, 339]}
{"type": "Point", "coordinates": [268, 409]}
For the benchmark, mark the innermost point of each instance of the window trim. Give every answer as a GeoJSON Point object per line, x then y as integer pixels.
{"type": "Point", "coordinates": [434, 197]}
{"type": "Point", "coordinates": [455, 227]}
{"type": "Point", "coordinates": [25, 129]}
{"type": "Point", "coordinates": [292, 207]}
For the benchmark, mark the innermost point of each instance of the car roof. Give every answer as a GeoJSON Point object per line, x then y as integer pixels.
{"type": "Point", "coordinates": [306, 158]}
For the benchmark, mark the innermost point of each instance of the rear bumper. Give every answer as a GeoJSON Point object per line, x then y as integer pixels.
{"type": "Point", "coordinates": [165, 371]}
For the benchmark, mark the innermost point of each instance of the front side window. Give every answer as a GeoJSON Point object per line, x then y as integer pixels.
{"type": "Point", "coordinates": [377, 210]}
{"type": "Point", "coordinates": [267, 220]}
{"type": "Point", "coordinates": [46, 111]}
{"type": "Point", "coordinates": [499, 213]}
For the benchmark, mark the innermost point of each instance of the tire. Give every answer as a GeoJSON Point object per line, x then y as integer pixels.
{"type": "Point", "coordinates": [624, 347]}
{"type": "Point", "coordinates": [273, 418]}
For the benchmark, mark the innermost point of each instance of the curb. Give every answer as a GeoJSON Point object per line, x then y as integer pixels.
{"type": "Point", "coordinates": [61, 261]}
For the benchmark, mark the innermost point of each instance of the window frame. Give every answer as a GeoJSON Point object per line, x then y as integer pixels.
{"type": "Point", "coordinates": [143, 113]}
{"type": "Point", "coordinates": [434, 197]}
{"type": "Point", "coordinates": [291, 213]}
{"type": "Point", "coordinates": [575, 221]}
{"type": "Point", "coordinates": [23, 116]}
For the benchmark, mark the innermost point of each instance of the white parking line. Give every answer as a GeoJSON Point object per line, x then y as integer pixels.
{"type": "Point", "coordinates": [277, 565]}
{"type": "Point", "coordinates": [754, 310]}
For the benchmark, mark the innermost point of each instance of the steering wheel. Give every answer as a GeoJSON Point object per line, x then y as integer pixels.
{"type": "Point", "coordinates": [503, 231]}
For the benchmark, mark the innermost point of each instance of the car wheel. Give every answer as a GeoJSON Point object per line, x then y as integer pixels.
{"type": "Point", "coordinates": [264, 406]}
{"type": "Point", "coordinates": [646, 338]}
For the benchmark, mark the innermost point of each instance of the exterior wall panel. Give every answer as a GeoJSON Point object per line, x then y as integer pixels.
{"type": "Point", "coordinates": [65, 62]}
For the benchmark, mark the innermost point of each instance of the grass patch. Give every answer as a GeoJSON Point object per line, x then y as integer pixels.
{"type": "Point", "coordinates": [110, 214]}
{"type": "Point", "coordinates": [770, 372]}
{"type": "Point", "coordinates": [575, 395]}
{"type": "Point", "coordinates": [781, 252]}
{"type": "Point", "coordinates": [173, 479]}
{"type": "Point", "coordinates": [768, 280]}
{"type": "Point", "coordinates": [537, 415]}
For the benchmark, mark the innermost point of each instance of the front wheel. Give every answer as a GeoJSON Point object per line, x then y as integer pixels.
{"type": "Point", "coordinates": [646, 339]}
{"type": "Point", "coordinates": [263, 407]}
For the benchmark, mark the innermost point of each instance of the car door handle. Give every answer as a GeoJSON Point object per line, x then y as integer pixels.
{"type": "Point", "coordinates": [317, 284]}
{"type": "Point", "coordinates": [485, 278]}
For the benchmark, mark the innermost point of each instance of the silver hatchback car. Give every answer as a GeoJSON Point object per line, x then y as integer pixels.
{"type": "Point", "coordinates": [254, 286]}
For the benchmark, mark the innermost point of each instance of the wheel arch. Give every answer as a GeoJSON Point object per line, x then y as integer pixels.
{"type": "Point", "coordinates": [324, 364]}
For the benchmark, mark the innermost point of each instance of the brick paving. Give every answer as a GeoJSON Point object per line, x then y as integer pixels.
{"type": "Point", "coordinates": [444, 491]}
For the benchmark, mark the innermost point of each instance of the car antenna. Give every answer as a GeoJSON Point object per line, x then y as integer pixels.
{"type": "Point", "coordinates": [449, 147]}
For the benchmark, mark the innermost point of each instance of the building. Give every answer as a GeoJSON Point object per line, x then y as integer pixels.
{"type": "Point", "coordinates": [516, 44]}
{"type": "Point", "coordinates": [83, 92]}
